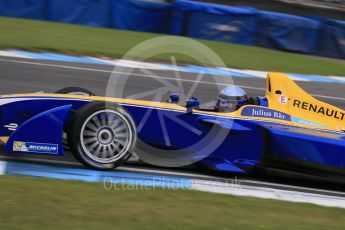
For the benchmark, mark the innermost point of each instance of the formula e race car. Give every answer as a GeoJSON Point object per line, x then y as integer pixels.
{"type": "Point", "coordinates": [288, 130]}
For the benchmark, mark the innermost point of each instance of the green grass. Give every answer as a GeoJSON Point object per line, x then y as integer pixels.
{"type": "Point", "coordinates": [73, 39]}
{"type": "Point", "coordinates": [34, 203]}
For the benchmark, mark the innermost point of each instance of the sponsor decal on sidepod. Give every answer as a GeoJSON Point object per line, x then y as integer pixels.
{"type": "Point", "coordinates": [253, 111]}
{"type": "Point", "coordinates": [19, 146]}
{"type": "Point", "coordinates": [305, 122]}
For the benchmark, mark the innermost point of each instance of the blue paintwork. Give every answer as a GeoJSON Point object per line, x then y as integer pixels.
{"type": "Point", "coordinates": [174, 98]}
{"type": "Point", "coordinates": [230, 150]}
{"type": "Point", "coordinates": [247, 141]}
{"type": "Point", "coordinates": [43, 130]}
{"type": "Point", "coordinates": [221, 165]}
{"type": "Point", "coordinates": [263, 101]}
{"type": "Point", "coordinates": [316, 146]}
{"type": "Point", "coordinates": [18, 112]}
{"type": "Point", "coordinates": [192, 103]}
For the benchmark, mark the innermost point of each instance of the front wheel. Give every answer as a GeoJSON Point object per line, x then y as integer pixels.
{"type": "Point", "coordinates": [102, 136]}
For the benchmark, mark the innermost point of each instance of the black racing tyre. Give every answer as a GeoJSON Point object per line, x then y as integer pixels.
{"type": "Point", "coordinates": [75, 91]}
{"type": "Point", "coordinates": [102, 136]}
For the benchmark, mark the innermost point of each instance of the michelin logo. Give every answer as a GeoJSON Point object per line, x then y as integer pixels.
{"type": "Point", "coordinates": [31, 147]}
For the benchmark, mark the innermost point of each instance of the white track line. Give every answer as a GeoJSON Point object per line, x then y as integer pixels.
{"type": "Point", "coordinates": [268, 193]}
{"type": "Point", "coordinates": [11, 54]}
{"type": "Point", "coordinates": [3, 167]}
{"type": "Point", "coordinates": [144, 75]}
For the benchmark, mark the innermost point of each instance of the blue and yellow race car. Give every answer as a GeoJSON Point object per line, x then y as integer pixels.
{"type": "Point", "coordinates": [288, 129]}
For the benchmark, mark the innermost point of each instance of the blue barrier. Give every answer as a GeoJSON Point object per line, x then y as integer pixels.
{"type": "Point", "coordinates": [86, 12]}
{"type": "Point", "coordinates": [215, 22]}
{"type": "Point", "coordinates": [33, 9]}
{"type": "Point", "coordinates": [332, 39]}
{"type": "Point", "coordinates": [288, 32]}
{"type": "Point", "coordinates": [262, 28]}
{"type": "Point", "coordinates": [241, 25]}
{"type": "Point", "coordinates": [141, 16]}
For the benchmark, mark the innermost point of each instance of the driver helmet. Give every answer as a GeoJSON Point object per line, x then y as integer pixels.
{"type": "Point", "coordinates": [231, 98]}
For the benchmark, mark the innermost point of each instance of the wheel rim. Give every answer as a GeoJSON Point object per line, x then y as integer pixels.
{"type": "Point", "coordinates": [106, 136]}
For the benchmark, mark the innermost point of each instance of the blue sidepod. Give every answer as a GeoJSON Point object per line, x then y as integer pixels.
{"type": "Point", "coordinates": [306, 145]}
{"type": "Point", "coordinates": [241, 150]}
{"type": "Point", "coordinates": [220, 143]}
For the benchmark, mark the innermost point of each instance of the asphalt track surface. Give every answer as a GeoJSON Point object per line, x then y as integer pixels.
{"type": "Point", "coordinates": [27, 76]}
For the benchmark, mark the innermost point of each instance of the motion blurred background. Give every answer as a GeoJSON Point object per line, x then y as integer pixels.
{"type": "Point", "coordinates": [314, 27]}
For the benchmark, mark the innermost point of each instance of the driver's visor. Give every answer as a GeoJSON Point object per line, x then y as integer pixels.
{"type": "Point", "coordinates": [233, 98]}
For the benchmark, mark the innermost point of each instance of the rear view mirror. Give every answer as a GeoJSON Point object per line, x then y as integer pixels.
{"type": "Point", "coordinates": [192, 103]}
{"type": "Point", "coordinates": [174, 98]}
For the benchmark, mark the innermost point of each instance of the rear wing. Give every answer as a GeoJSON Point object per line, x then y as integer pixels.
{"type": "Point", "coordinates": [285, 95]}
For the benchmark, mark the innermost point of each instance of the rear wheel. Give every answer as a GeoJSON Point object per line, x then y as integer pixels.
{"type": "Point", "coordinates": [102, 136]}
{"type": "Point", "coordinates": [75, 91]}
